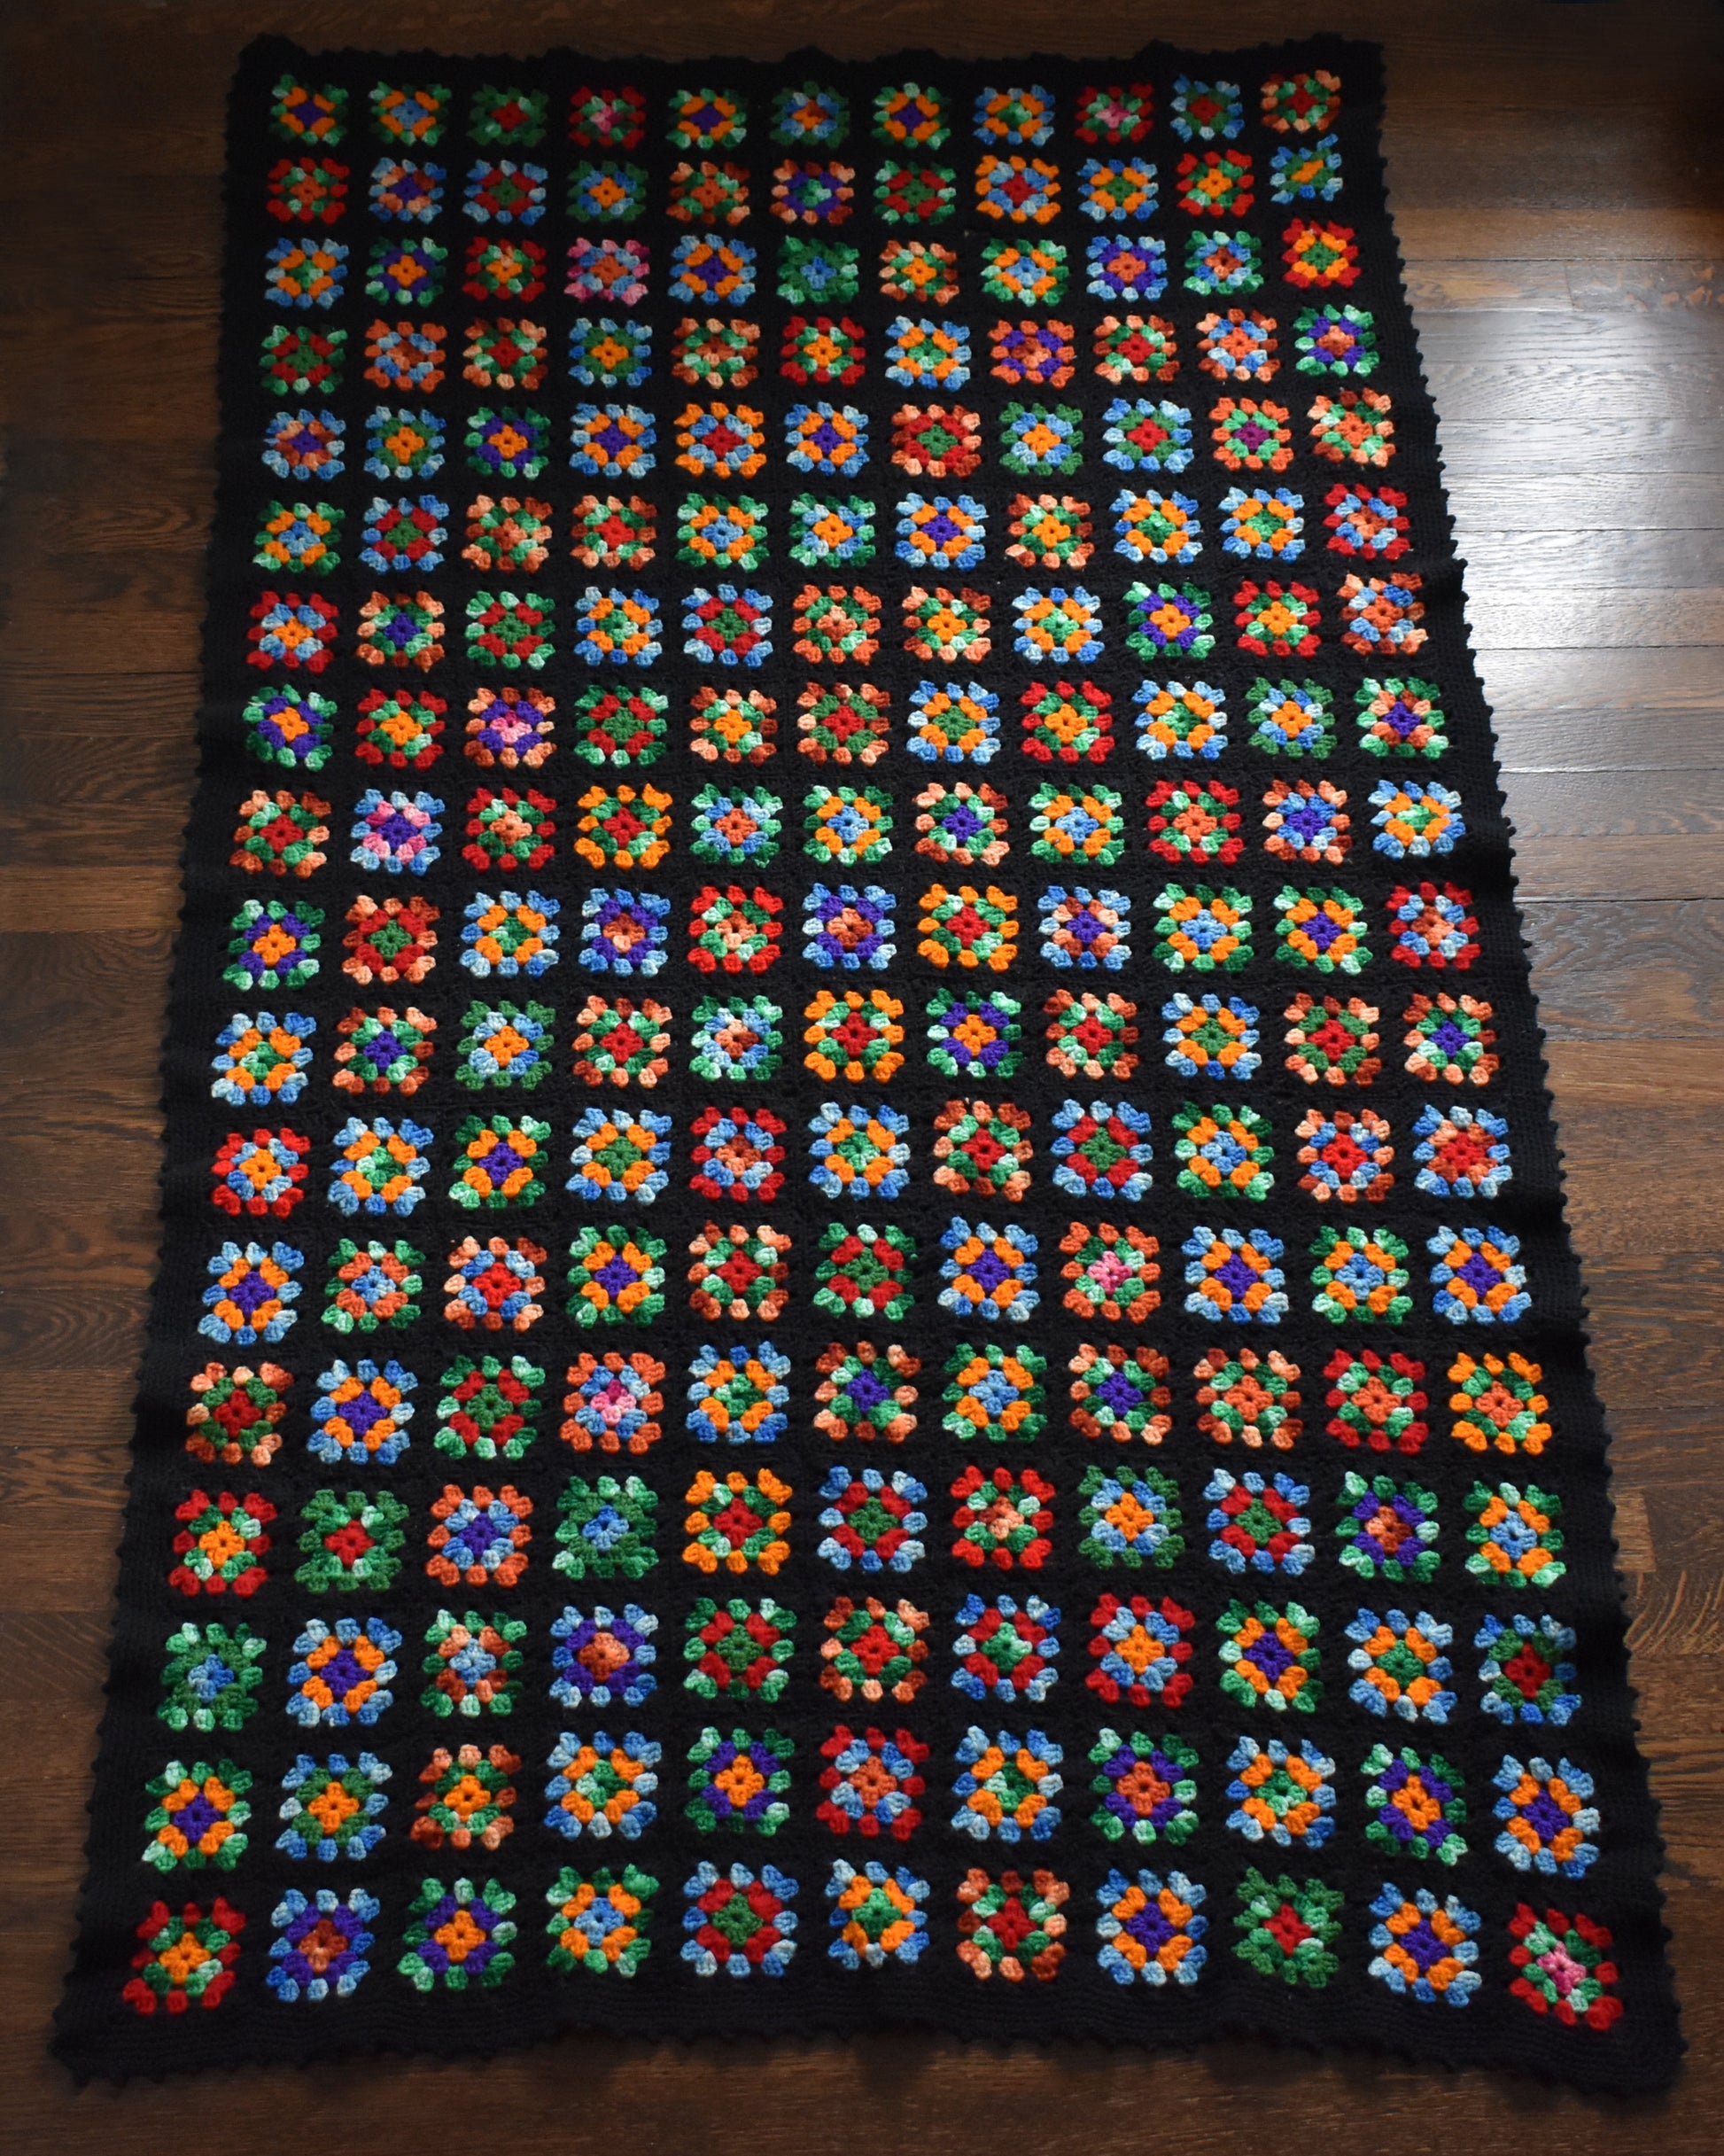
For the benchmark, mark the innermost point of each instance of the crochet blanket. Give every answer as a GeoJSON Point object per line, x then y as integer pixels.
{"type": "Point", "coordinates": [865, 1318]}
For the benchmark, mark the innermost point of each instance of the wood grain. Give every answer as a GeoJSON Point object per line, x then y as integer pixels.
{"type": "Point", "coordinates": [1554, 177]}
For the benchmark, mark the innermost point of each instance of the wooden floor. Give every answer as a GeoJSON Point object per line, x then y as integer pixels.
{"type": "Point", "coordinates": [1555, 172]}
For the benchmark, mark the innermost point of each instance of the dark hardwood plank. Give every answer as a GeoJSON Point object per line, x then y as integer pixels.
{"type": "Point", "coordinates": [1549, 562]}
{"type": "Point", "coordinates": [1625, 710]}
{"type": "Point", "coordinates": [1627, 443]}
{"type": "Point", "coordinates": [1629, 973]}
{"type": "Point", "coordinates": [1585, 234]}
{"type": "Point", "coordinates": [1616, 868]}
{"type": "Point", "coordinates": [1591, 804]}
{"type": "Point", "coordinates": [1685, 502]}
{"type": "Point", "coordinates": [1461, 287]}
{"type": "Point", "coordinates": [1682, 381]}
{"type": "Point", "coordinates": [58, 807]}
{"type": "Point", "coordinates": [87, 899]}
{"type": "Point", "coordinates": [1686, 287]}
{"type": "Point", "coordinates": [1598, 619]}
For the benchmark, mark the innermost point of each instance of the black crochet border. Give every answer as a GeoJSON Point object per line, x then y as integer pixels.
{"type": "Point", "coordinates": [97, 2038]}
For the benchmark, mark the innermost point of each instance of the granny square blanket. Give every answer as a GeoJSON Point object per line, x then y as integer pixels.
{"type": "Point", "coordinates": [863, 1318]}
